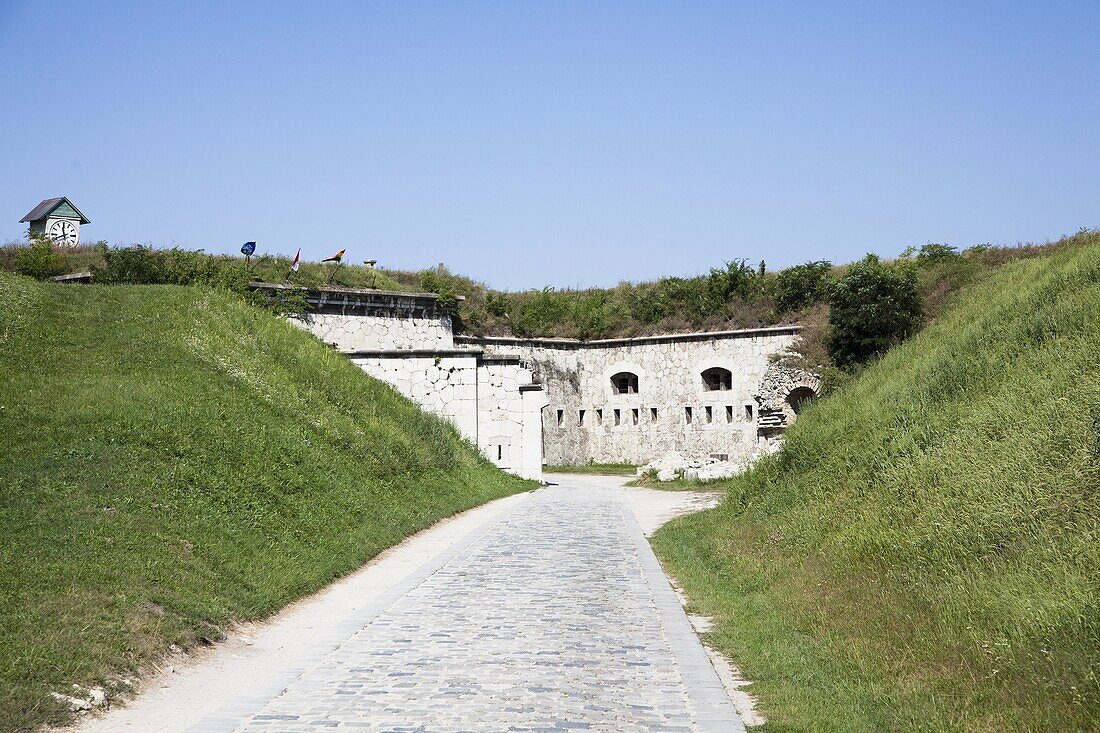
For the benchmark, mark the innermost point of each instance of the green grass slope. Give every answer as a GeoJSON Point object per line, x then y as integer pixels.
{"type": "Point", "coordinates": [173, 459]}
{"type": "Point", "coordinates": [924, 554]}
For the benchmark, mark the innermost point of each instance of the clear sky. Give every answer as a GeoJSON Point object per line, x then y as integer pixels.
{"type": "Point", "coordinates": [554, 143]}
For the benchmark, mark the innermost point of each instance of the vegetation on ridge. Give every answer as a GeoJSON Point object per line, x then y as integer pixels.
{"type": "Point", "coordinates": [174, 460]}
{"type": "Point", "coordinates": [910, 290]}
{"type": "Point", "coordinates": [923, 553]}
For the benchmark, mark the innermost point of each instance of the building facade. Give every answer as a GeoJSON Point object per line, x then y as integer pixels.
{"type": "Point", "coordinates": [637, 399]}
{"type": "Point", "coordinates": [407, 340]}
{"type": "Point", "coordinates": [529, 402]}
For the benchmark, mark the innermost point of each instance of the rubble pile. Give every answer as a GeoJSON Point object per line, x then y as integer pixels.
{"type": "Point", "coordinates": [696, 466]}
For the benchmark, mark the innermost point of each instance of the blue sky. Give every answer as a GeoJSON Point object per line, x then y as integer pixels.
{"type": "Point", "coordinates": [566, 143]}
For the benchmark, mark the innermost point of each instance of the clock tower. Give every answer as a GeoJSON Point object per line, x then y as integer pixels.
{"type": "Point", "coordinates": [57, 219]}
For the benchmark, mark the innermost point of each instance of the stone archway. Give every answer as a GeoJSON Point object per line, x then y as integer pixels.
{"type": "Point", "coordinates": [799, 397]}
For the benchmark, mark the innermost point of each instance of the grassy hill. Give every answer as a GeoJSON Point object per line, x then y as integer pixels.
{"type": "Point", "coordinates": [924, 554]}
{"type": "Point", "coordinates": [173, 460]}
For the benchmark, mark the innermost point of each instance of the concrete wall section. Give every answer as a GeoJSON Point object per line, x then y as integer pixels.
{"type": "Point", "coordinates": [445, 385]}
{"type": "Point", "coordinates": [376, 333]}
{"type": "Point", "coordinates": [510, 416]}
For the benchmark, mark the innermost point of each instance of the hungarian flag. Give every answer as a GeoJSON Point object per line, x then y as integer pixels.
{"type": "Point", "coordinates": [336, 257]}
{"type": "Point", "coordinates": [295, 264]}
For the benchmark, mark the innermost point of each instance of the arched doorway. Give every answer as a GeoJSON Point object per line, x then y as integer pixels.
{"type": "Point", "coordinates": [799, 397]}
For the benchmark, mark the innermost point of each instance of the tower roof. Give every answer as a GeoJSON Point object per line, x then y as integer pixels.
{"type": "Point", "coordinates": [46, 207]}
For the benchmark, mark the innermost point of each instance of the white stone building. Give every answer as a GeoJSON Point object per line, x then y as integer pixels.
{"type": "Point", "coordinates": [407, 340]}
{"type": "Point", "coordinates": [631, 400]}
{"type": "Point", "coordinates": [609, 401]}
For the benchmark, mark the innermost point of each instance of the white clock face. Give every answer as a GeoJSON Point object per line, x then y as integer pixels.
{"type": "Point", "coordinates": [63, 232]}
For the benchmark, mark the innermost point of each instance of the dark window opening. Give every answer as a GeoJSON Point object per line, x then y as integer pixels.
{"type": "Point", "coordinates": [618, 417]}
{"type": "Point", "coordinates": [748, 413]}
{"type": "Point", "coordinates": [580, 417]}
{"type": "Point", "coordinates": [624, 383]}
{"type": "Point", "coordinates": [500, 451]}
{"type": "Point", "coordinates": [717, 379]}
{"type": "Point", "coordinates": [599, 417]}
{"type": "Point", "coordinates": [710, 413]}
{"type": "Point", "coordinates": [561, 416]}
{"type": "Point", "coordinates": [653, 414]}
{"type": "Point", "coordinates": [799, 398]}
{"type": "Point", "coordinates": [687, 415]}
{"type": "Point", "coordinates": [729, 413]}
{"type": "Point", "coordinates": [634, 416]}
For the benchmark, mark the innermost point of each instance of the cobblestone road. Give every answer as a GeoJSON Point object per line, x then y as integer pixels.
{"type": "Point", "coordinates": [555, 617]}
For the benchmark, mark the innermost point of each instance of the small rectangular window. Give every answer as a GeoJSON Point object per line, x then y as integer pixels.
{"type": "Point", "coordinates": [729, 413]}
{"type": "Point", "coordinates": [580, 417]}
{"type": "Point", "coordinates": [599, 417]}
{"type": "Point", "coordinates": [634, 416]}
{"type": "Point", "coordinates": [653, 414]}
{"type": "Point", "coordinates": [561, 416]}
{"type": "Point", "coordinates": [500, 451]}
{"type": "Point", "coordinates": [748, 413]}
{"type": "Point", "coordinates": [709, 413]}
{"type": "Point", "coordinates": [618, 416]}
{"type": "Point", "coordinates": [687, 415]}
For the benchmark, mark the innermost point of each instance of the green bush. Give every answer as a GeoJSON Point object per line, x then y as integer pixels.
{"type": "Point", "coordinates": [443, 284]}
{"type": "Point", "coordinates": [802, 285]}
{"type": "Point", "coordinates": [147, 266]}
{"type": "Point", "coordinates": [734, 279]}
{"type": "Point", "coordinates": [597, 315]}
{"type": "Point", "coordinates": [873, 307]}
{"type": "Point", "coordinates": [497, 304]}
{"type": "Point", "coordinates": [936, 253]}
{"type": "Point", "coordinates": [539, 313]}
{"type": "Point", "coordinates": [39, 260]}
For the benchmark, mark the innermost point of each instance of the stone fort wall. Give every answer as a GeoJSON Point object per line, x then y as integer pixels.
{"type": "Point", "coordinates": [406, 340]}
{"type": "Point", "coordinates": [526, 402]}
{"type": "Point", "coordinates": [672, 409]}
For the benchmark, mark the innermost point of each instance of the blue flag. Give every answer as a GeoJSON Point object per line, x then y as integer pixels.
{"type": "Point", "coordinates": [248, 248]}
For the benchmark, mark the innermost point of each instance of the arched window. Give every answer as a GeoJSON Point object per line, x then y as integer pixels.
{"type": "Point", "coordinates": [799, 398]}
{"type": "Point", "coordinates": [717, 379]}
{"type": "Point", "coordinates": [624, 383]}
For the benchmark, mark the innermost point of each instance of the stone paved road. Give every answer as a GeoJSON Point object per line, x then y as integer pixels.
{"type": "Point", "coordinates": [555, 617]}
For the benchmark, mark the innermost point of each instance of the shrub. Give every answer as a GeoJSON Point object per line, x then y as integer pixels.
{"type": "Point", "coordinates": [132, 265]}
{"type": "Point", "coordinates": [443, 284]}
{"type": "Point", "coordinates": [540, 312]}
{"type": "Point", "coordinates": [39, 260]}
{"type": "Point", "coordinates": [147, 266]}
{"type": "Point", "coordinates": [597, 316]}
{"type": "Point", "coordinates": [497, 304]}
{"type": "Point", "coordinates": [735, 279]}
{"type": "Point", "coordinates": [802, 285]}
{"type": "Point", "coordinates": [930, 253]}
{"type": "Point", "coordinates": [873, 307]}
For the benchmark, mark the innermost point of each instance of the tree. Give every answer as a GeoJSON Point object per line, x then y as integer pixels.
{"type": "Point", "coordinates": [873, 307]}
